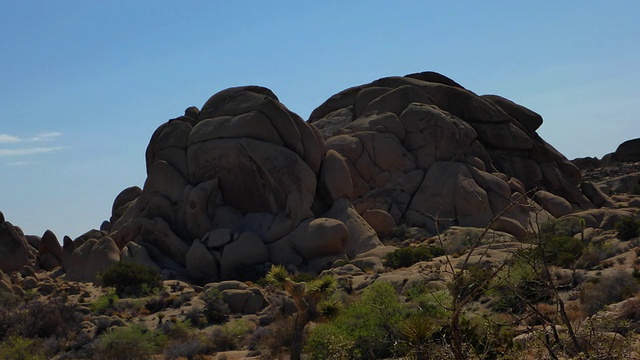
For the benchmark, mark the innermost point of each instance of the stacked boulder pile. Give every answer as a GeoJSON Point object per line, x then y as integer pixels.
{"type": "Point", "coordinates": [424, 151]}
{"type": "Point", "coordinates": [240, 183]}
{"type": "Point", "coordinates": [244, 182]}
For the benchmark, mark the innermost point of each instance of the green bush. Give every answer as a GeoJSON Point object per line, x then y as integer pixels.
{"type": "Point", "coordinates": [431, 302]}
{"type": "Point", "coordinates": [518, 285]}
{"type": "Point", "coordinates": [230, 336]}
{"type": "Point", "coordinates": [562, 251]}
{"type": "Point", "coordinates": [467, 282]}
{"type": "Point", "coordinates": [215, 309]}
{"type": "Point", "coordinates": [363, 330]}
{"type": "Point", "coordinates": [408, 256]}
{"type": "Point", "coordinates": [125, 343]}
{"type": "Point", "coordinates": [104, 302]}
{"type": "Point", "coordinates": [561, 227]}
{"type": "Point", "coordinates": [19, 348]}
{"type": "Point", "coordinates": [628, 228]}
{"type": "Point", "coordinates": [131, 279]}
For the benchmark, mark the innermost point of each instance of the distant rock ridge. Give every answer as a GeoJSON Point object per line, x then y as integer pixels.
{"type": "Point", "coordinates": [627, 152]}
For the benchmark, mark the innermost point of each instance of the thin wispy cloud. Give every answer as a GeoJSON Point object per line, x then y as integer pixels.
{"type": "Point", "coordinates": [47, 136]}
{"type": "Point", "coordinates": [5, 138]}
{"type": "Point", "coordinates": [44, 136]}
{"type": "Point", "coordinates": [29, 151]}
{"type": "Point", "coordinates": [15, 146]}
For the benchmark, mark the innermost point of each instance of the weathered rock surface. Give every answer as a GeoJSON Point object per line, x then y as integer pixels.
{"type": "Point", "coordinates": [430, 153]}
{"type": "Point", "coordinates": [50, 254]}
{"type": "Point", "coordinates": [15, 251]}
{"type": "Point", "coordinates": [628, 151]}
{"type": "Point", "coordinates": [92, 258]}
{"type": "Point", "coordinates": [241, 298]}
{"type": "Point", "coordinates": [242, 182]}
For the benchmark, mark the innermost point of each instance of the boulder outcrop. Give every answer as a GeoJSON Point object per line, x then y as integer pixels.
{"type": "Point", "coordinates": [15, 251]}
{"type": "Point", "coordinates": [243, 181]}
{"type": "Point", "coordinates": [628, 151]}
{"type": "Point", "coordinates": [432, 154]}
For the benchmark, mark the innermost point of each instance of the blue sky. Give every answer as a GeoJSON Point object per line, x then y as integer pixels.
{"type": "Point", "coordinates": [83, 84]}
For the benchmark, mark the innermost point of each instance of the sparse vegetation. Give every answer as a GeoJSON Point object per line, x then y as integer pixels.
{"type": "Point", "coordinates": [366, 329]}
{"type": "Point", "coordinates": [405, 257]}
{"type": "Point", "coordinates": [628, 228]}
{"type": "Point", "coordinates": [124, 343]}
{"type": "Point", "coordinates": [20, 348]}
{"type": "Point", "coordinates": [131, 279]}
{"type": "Point", "coordinates": [104, 302]}
{"type": "Point", "coordinates": [306, 297]}
{"type": "Point", "coordinates": [216, 311]}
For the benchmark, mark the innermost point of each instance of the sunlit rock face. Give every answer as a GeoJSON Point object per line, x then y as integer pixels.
{"type": "Point", "coordinates": [240, 183]}
{"type": "Point", "coordinates": [430, 153]}
{"type": "Point", "coordinates": [244, 182]}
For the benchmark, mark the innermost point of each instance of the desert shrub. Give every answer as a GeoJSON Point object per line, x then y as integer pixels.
{"type": "Point", "coordinates": [605, 337]}
{"type": "Point", "coordinates": [230, 336]}
{"type": "Point", "coordinates": [363, 330]}
{"type": "Point", "coordinates": [417, 335]}
{"type": "Point", "coordinates": [40, 319]}
{"type": "Point", "coordinates": [104, 302]}
{"type": "Point", "coordinates": [196, 317]}
{"type": "Point", "coordinates": [8, 300]}
{"type": "Point", "coordinates": [329, 308]}
{"type": "Point", "coordinates": [215, 309]}
{"type": "Point", "coordinates": [487, 337]}
{"type": "Point", "coordinates": [158, 302]}
{"type": "Point", "coordinates": [188, 348]}
{"type": "Point", "coordinates": [408, 256]}
{"type": "Point", "coordinates": [595, 253]}
{"type": "Point", "coordinates": [561, 227]}
{"type": "Point", "coordinates": [125, 343]}
{"type": "Point", "coordinates": [516, 286]}
{"type": "Point", "coordinates": [432, 302]}
{"type": "Point", "coordinates": [628, 228]}
{"type": "Point", "coordinates": [459, 243]}
{"type": "Point", "coordinates": [469, 280]}
{"type": "Point", "coordinates": [178, 330]}
{"type": "Point", "coordinates": [612, 288]}
{"type": "Point", "coordinates": [328, 341]}
{"type": "Point", "coordinates": [274, 339]}
{"type": "Point", "coordinates": [131, 279]}
{"type": "Point", "coordinates": [184, 341]}
{"type": "Point", "coordinates": [20, 348]}
{"type": "Point", "coordinates": [562, 251]}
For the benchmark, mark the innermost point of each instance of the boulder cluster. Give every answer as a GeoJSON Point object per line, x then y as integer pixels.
{"type": "Point", "coordinates": [241, 182]}
{"type": "Point", "coordinates": [424, 151]}
{"type": "Point", "coordinates": [244, 182]}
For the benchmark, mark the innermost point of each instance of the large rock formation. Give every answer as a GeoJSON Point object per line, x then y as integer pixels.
{"type": "Point", "coordinates": [432, 154]}
{"type": "Point", "coordinates": [628, 151]}
{"type": "Point", "coordinates": [242, 182]}
{"type": "Point", "coordinates": [15, 251]}
{"type": "Point", "coordinates": [245, 181]}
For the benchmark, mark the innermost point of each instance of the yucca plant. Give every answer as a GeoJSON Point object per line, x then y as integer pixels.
{"type": "Point", "coordinates": [306, 296]}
